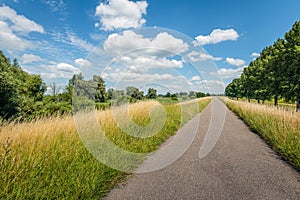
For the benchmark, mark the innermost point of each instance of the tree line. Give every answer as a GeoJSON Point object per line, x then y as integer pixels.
{"type": "Point", "coordinates": [275, 74]}
{"type": "Point", "coordinates": [92, 93]}
{"type": "Point", "coordinates": [19, 91]}
{"type": "Point", "coordinates": [24, 96]}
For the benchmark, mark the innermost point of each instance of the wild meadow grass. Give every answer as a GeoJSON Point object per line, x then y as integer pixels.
{"type": "Point", "coordinates": [281, 103]}
{"type": "Point", "coordinates": [46, 158]}
{"type": "Point", "coordinates": [279, 127]}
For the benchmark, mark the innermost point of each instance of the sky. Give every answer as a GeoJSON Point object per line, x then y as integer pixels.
{"type": "Point", "coordinates": [170, 45]}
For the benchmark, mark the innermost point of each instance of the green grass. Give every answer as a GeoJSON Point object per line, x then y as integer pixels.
{"type": "Point", "coordinates": [45, 158]}
{"type": "Point", "coordinates": [279, 127]}
{"type": "Point", "coordinates": [167, 100]}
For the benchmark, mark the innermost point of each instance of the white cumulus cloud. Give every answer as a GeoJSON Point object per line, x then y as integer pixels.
{"type": "Point", "coordinates": [255, 55]}
{"type": "Point", "coordinates": [19, 22]}
{"type": "Point", "coordinates": [30, 58]}
{"type": "Point", "coordinates": [201, 56]}
{"type": "Point", "coordinates": [9, 40]}
{"type": "Point", "coordinates": [216, 36]}
{"type": "Point", "coordinates": [14, 27]}
{"type": "Point", "coordinates": [142, 53]}
{"type": "Point", "coordinates": [146, 63]}
{"type": "Point", "coordinates": [129, 40]}
{"type": "Point", "coordinates": [230, 73]}
{"type": "Point", "coordinates": [60, 70]}
{"type": "Point", "coordinates": [83, 62]}
{"type": "Point", "coordinates": [235, 62]}
{"type": "Point", "coordinates": [196, 78]}
{"type": "Point", "coordinates": [121, 14]}
{"type": "Point", "coordinates": [167, 42]}
{"type": "Point", "coordinates": [65, 67]}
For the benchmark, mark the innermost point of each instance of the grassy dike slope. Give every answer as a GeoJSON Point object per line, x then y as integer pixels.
{"type": "Point", "coordinates": [45, 159]}
{"type": "Point", "coordinates": [280, 128]}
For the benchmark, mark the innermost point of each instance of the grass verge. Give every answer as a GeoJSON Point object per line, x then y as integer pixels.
{"type": "Point", "coordinates": [46, 159]}
{"type": "Point", "coordinates": [281, 103]}
{"type": "Point", "coordinates": [279, 127]}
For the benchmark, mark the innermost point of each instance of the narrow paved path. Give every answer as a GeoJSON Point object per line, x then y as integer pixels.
{"type": "Point", "coordinates": [240, 166]}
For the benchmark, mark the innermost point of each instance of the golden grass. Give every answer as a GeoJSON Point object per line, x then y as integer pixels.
{"type": "Point", "coordinates": [139, 113]}
{"type": "Point", "coordinates": [45, 129]}
{"type": "Point", "coordinates": [41, 132]}
{"type": "Point", "coordinates": [46, 158]}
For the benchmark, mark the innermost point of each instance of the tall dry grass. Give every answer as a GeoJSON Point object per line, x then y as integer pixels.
{"type": "Point", "coordinates": [46, 158]}
{"type": "Point", "coordinates": [279, 127]}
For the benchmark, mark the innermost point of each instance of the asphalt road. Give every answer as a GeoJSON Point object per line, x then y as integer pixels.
{"type": "Point", "coordinates": [240, 166]}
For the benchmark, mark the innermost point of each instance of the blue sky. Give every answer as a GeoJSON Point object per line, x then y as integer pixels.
{"type": "Point", "coordinates": [192, 45]}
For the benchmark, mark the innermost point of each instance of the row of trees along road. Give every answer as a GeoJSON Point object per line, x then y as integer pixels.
{"type": "Point", "coordinates": [275, 74]}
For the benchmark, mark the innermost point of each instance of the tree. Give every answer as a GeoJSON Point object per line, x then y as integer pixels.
{"type": "Point", "coordinates": [248, 83]}
{"type": "Point", "coordinates": [200, 94]}
{"type": "Point", "coordinates": [140, 95]}
{"type": "Point", "coordinates": [233, 89]}
{"type": "Point", "coordinates": [174, 97]}
{"type": "Point", "coordinates": [152, 93]}
{"type": "Point", "coordinates": [9, 102]}
{"type": "Point", "coordinates": [66, 95]}
{"type": "Point", "coordinates": [83, 88]}
{"type": "Point", "coordinates": [261, 89]}
{"type": "Point", "coordinates": [83, 93]}
{"type": "Point", "coordinates": [275, 68]}
{"type": "Point", "coordinates": [110, 93]}
{"type": "Point", "coordinates": [55, 90]}
{"type": "Point", "coordinates": [100, 95]}
{"type": "Point", "coordinates": [20, 91]}
{"type": "Point", "coordinates": [192, 94]}
{"type": "Point", "coordinates": [132, 91]}
{"type": "Point", "coordinates": [276, 72]}
{"type": "Point", "coordinates": [292, 59]}
{"type": "Point", "coordinates": [117, 97]}
{"type": "Point", "coordinates": [183, 94]}
{"type": "Point", "coordinates": [168, 94]}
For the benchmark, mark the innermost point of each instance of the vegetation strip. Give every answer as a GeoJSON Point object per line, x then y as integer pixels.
{"type": "Point", "coordinates": [45, 158]}
{"type": "Point", "coordinates": [280, 128]}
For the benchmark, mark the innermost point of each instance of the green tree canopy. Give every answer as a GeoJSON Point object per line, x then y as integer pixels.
{"type": "Point", "coordinates": [19, 91]}
{"type": "Point", "coordinates": [152, 93]}
{"type": "Point", "coordinates": [274, 74]}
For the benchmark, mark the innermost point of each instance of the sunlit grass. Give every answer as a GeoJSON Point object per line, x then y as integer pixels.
{"type": "Point", "coordinates": [46, 159]}
{"type": "Point", "coordinates": [281, 103]}
{"type": "Point", "coordinates": [279, 127]}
